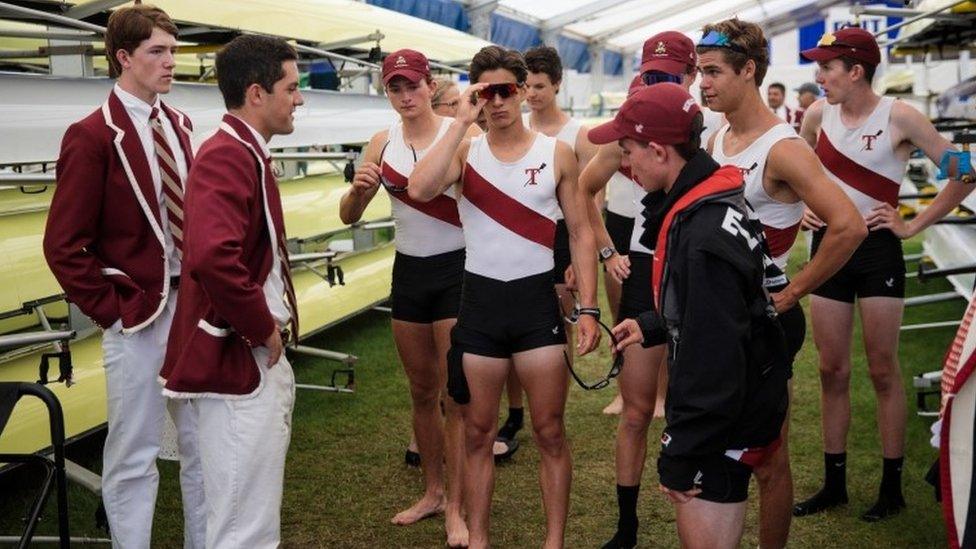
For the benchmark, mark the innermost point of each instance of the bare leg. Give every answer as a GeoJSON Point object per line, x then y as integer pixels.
{"type": "Point", "coordinates": [418, 352]}
{"type": "Point", "coordinates": [546, 381]}
{"type": "Point", "coordinates": [662, 387]}
{"type": "Point", "coordinates": [457, 530]}
{"type": "Point", "coordinates": [614, 290]}
{"type": "Point", "coordinates": [709, 525]}
{"type": "Point", "coordinates": [775, 481]}
{"type": "Point", "coordinates": [833, 322]}
{"type": "Point", "coordinates": [486, 378]}
{"type": "Point", "coordinates": [881, 318]}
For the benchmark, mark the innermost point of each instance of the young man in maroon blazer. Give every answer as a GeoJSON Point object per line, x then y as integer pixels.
{"type": "Point", "coordinates": [237, 305]}
{"type": "Point", "coordinates": [113, 241]}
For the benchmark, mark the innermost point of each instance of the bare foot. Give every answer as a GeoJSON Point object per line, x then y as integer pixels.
{"type": "Point", "coordinates": [457, 530]}
{"type": "Point", "coordinates": [427, 507]}
{"type": "Point", "coordinates": [615, 407]}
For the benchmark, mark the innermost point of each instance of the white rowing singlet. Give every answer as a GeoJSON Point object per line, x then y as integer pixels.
{"type": "Point", "coordinates": [780, 220]}
{"type": "Point", "coordinates": [509, 210]}
{"type": "Point", "coordinates": [422, 228]}
{"type": "Point", "coordinates": [862, 160]}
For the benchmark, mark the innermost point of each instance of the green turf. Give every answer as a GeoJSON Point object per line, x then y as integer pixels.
{"type": "Point", "coordinates": [345, 478]}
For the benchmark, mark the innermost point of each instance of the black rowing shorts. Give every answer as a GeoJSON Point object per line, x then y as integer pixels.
{"type": "Point", "coordinates": [427, 289]}
{"type": "Point", "coordinates": [560, 252]}
{"type": "Point", "coordinates": [620, 228]}
{"type": "Point", "coordinates": [877, 269]}
{"type": "Point", "coordinates": [636, 296]}
{"type": "Point", "coordinates": [499, 319]}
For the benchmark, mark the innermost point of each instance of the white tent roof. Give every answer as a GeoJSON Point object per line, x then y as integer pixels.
{"type": "Point", "coordinates": [624, 24]}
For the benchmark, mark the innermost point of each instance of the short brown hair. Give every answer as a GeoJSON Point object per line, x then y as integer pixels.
{"type": "Point", "coordinates": [545, 60]}
{"type": "Point", "coordinates": [129, 27]}
{"type": "Point", "coordinates": [497, 57]}
{"type": "Point", "coordinates": [869, 69]}
{"type": "Point", "coordinates": [743, 35]}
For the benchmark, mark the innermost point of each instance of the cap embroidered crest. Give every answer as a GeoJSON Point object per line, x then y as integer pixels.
{"type": "Point", "coordinates": [639, 128]}
{"type": "Point", "coordinates": [400, 61]}
{"type": "Point", "coordinates": [687, 106]}
{"type": "Point", "coordinates": [826, 40]}
{"type": "Point", "coordinates": [661, 48]}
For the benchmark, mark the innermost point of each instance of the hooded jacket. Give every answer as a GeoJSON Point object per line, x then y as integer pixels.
{"type": "Point", "coordinates": [727, 361]}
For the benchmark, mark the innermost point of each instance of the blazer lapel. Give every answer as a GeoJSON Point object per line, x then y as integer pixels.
{"type": "Point", "coordinates": [132, 155]}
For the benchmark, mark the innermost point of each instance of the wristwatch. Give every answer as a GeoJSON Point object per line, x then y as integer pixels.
{"type": "Point", "coordinates": [606, 253]}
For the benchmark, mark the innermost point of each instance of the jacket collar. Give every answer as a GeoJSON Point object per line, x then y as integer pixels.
{"type": "Point", "coordinates": [657, 204]}
{"type": "Point", "coordinates": [132, 156]}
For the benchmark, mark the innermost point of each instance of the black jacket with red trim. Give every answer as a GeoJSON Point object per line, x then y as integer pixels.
{"type": "Point", "coordinates": [727, 361]}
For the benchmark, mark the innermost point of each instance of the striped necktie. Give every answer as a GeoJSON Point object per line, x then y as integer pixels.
{"type": "Point", "coordinates": [170, 176]}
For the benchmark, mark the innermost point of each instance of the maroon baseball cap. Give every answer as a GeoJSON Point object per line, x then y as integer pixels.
{"type": "Point", "coordinates": [661, 113]}
{"type": "Point", "coordinates": [853, 42]}
{"type": "Point", "coordinates": [410, 64]}
{"type": "Point", "coordinates": [669, 51]}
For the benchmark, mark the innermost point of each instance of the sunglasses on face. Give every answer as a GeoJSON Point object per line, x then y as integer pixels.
{"type": "Point", "coordinates": [716, 39]}
{"type": "Point", "coordinates": [452, 104]}
{"type": "Point", "coordinates": [615, 366]}
{"type": "Point", "coordinates": [504, 91]}
{"type": "Point", "coordinates": [656, 77]}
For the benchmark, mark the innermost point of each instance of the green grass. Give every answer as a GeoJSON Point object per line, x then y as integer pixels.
{"type": "Point", "coordinates": [345, 478]}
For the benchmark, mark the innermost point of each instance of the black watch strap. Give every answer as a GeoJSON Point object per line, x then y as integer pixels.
{"type": "Point", "coordinates": [592, 311]}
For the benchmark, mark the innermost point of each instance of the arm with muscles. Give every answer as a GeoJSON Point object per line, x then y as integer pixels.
{"type": "Point", "coordinates": [920, 133]}
{"type": "Point", "coordinates": [365, 183]}
{"type": "Point", "coordinates": [793, 162]}
{"type": "Point", "coordinates": [707, 384]}
{"type": "Point", "coordinates": [441, 167]}
{"type": "Point", "coordinates": [809, 129]}
{"type": "Point", "coordinates": [592, 180]}
{"type": "Point", "coordinates": [222, 190]}
{"type": "Point", "coordinates": [581, 246]}
{"type": "Point", "coordinates": [72, 226]}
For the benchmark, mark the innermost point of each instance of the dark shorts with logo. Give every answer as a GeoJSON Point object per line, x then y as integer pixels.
{"type": "Point", "coordinates": [499, 319]}
{"type": "Point", "coordinates": [877, 269]}
{"type": "Point", "coordinates": [426, 289]}
{"type": "Point", "coordinates": [635, 294]}
{"type": "Point", "coordinates": [560, 252]}
{"type": "Point", "coordinates": [620, 228]}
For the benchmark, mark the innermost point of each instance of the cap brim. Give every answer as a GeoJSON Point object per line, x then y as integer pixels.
{"type": "Point", "coordinates": [608, 132]}
{"type": "Point", "coordinates": [409, 74]}
{"type": "Point", "coordinates": [820, 54]}
{"type": "Point", "coordinates": [669, 66]}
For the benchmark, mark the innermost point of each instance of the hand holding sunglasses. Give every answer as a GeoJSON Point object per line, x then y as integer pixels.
{"type": "Point", "coordinates": [471, 104]}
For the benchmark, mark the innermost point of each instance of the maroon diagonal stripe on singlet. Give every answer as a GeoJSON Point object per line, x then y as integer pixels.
{"type": "Point", "coordinates": [443, 207]}
{"type": "Point", "coordinates": [780, 240]}
{"type": "Point", "coordinates": [857, 176]}
{"type": "Point", "coordinates": [507, 211]}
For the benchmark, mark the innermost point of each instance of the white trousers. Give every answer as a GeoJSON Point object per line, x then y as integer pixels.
{"type": "Point", "coordinates": [243, 444]}
{"type": "Point", "coordinates": [136, 408]}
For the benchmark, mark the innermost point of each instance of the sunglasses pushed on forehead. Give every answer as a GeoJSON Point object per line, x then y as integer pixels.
{"type": "Point", "coordinates": [716, 39]}
{"type": "Point", "coordinates": [504, 91]}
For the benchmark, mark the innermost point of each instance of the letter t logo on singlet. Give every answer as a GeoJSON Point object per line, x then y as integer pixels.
{"type": "Point", "coordinates": [746, 171]}
{"type": "Point", "coordinates": [532, 172]}
{"type": "Point", "coordinates": [869, 140]}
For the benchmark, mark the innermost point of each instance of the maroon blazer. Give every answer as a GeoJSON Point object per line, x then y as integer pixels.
{"type": "Point", "coordinates": [231, 209]}
{"type": "Point", "coordinates": [104, 238]}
